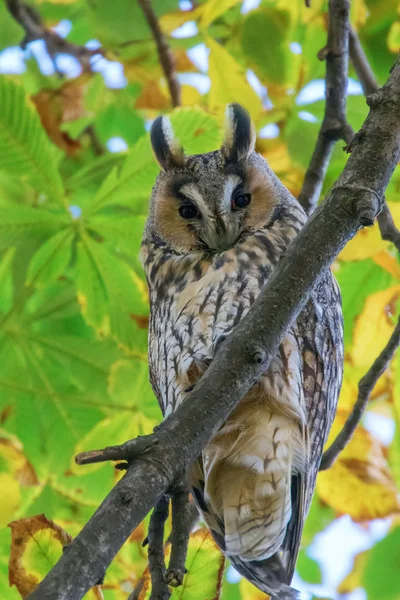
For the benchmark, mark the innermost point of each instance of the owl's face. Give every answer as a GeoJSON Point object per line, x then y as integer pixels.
{"type": "Point", "coordinates": [209, 202]}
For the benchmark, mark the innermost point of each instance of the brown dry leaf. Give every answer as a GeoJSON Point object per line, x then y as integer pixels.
{"type": "Point", "coordinates": [354, 579]}
{"type": "Point", "coordinates": [36, 545]}
{"type": "Point", "coordinates": [183, 64]}
{"type": "Point", "coordinates": [152, 97]}
{"type": "Point", "coordinates": [374, 326]}
{"type": "Point", "coordinates": [359, 483]}
{"type": "Point", "coordinates": [61, 106]}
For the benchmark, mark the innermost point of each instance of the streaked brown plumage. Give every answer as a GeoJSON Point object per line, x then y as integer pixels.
{"type": "Point", "coordinates": [218, 225]}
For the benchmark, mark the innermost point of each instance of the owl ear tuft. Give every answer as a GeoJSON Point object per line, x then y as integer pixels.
{"type": "Point", "coordinates": [167, 149]}
{"type": "Point", "coordinates": [240, 135]}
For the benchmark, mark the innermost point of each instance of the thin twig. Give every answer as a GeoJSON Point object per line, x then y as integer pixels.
{"type": "Point", "coordinates": [369, 84]}
{"type": "Point", "coordinates": [181, 527]}
{"type": "Point", "coordinates": [361, 65]}
{"type": "Point", "coordinates": [365, 387]}
{"type": "Point", "coordinates": [164, 52]}
{"type": "Point", "coordinates": [334, 125]}
{"type": "Point", "coordinates": [31, 22]}
{"type": "Point", "coordinates": [159, 586]}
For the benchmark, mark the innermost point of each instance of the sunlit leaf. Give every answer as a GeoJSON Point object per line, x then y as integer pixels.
{"type": "Point", "coordinates": [374, 326]}
{"type": "Point", "coordinates": [229, 82]}
{"type": "Point", "coordinates": [214, 9]}
{"type": "Point", "coordinates": [380, 576]}
{"type": "Point", "coordinates": [37, 544]}
{"type": "Point", "coordinates": [51, 259]}
{"type": "Point", "coordinates": [359, 483]}
{"type": "Point", "coordinates": [24, 148]}
{"type": "Point", "coordinates": [19, 222]}
{"type": "Point", "coordinates": [205, 567]}
{"type": "Point", "coordinates": [353, 580]}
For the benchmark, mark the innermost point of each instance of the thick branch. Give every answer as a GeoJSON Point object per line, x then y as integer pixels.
{"type": "Point", "coordinates": [365, 387]}
{"type": "Point", "coordinates": [334, 125]}
{"type": "Point", "coordinates": [164, 53]}
{"type": "Point", "coordinates": [31, 22]}
{"type": "Point", "coordinates": [388, 229]}
{"type": "Point", "coordinates": [354, 200]}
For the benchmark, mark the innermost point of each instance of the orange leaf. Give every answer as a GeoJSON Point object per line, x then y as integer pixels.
{"type": "Point", "coordinates": [36, 545]}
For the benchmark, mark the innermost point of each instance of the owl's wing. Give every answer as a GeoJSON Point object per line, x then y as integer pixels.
{"type": "Point", "coordinates": [321, 328]}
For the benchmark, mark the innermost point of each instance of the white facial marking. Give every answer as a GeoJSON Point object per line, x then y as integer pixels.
{"type": "Point", "coordinates": [230, 184]}
{"type": "Point", "coordinates": [192, 193]}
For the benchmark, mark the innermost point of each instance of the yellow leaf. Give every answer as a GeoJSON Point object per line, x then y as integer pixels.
{"type": "Point", "coordinates": [383, 389]}
{"type": "Point", "coordinates": [152, 97]}
{"type": "Point", "coordinates": [248, 591]}
{"type": "Point", "coordinates": [358, 13]}
{"type": "Point", "coordinates": [359, 483]}
{"type": "Point", "coordinates": [9, 502]}
{"type": "Point", "coordinates": [36, 545]}
{"type": "Point", "coordinates": [354, 579]}
{"type": "Point", "coordinates": [387, 262]}
{"type": "Point", "coordinates": [214, 9]}
{"type": "Point", "coordinates": [173, 20]}
{"type": "Point", "coordinates": [374, 326]}
{"type": "Point", "coordinates": [365, 244]}
{"type": "Point", "coordinates": [393, 39]}
{"type": "Point", "coordinates": [190, 95]}
{"type": "Point", "coordinates": [228, 82]}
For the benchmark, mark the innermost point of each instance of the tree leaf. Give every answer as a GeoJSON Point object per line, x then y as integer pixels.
{"type": "Point", "coordinates": [229, 81]}
{"type": "Point", "coordinates": [214, 9]}
{"type": "Point", "coordinates": [381, 574]}
{"type": "Point", "coordinates": [110, 293]}
{"type": "Point", "coordinates": [359, 483]}
{"type": "Point", "coordinates": [128, 384]}
{"type": "Point", "coordinates": [52, 258]}
{"type": "Point", "coordinates": [205, 567]}
{"type": "Point", "coordinates": [24, 147]}
{"type": "Point", "coordinates": [197, 132]}
{"type": "Point", "coordinates": [37, 544]}
{"type": "Point", "coordinates": [20, 222]}
{"type": "Point", "coordinates": [374, 326]}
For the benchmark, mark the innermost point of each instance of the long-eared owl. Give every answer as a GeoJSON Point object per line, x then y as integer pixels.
{"type": "Point", "coordinates": [218, 224]}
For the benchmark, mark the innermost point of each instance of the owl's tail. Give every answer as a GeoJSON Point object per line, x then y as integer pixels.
{"type": "Point", "coordinates": [268, 575]}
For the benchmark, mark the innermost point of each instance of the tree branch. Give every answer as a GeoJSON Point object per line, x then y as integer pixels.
{"type": "Point", "coordinates": [334, 125]}
{"type": "Point", "coordinates": [388, 229]}
{"type": "Point", "coordinates": [164, 53]}
{"type": "Point", "coordinates": [354, 201]}
{"type": "Point", "coordinates": [365, 387]}
{"type": "Point", "coordinates": [159, 587]}
{"type": "Point", "coordinates": [31, 22]}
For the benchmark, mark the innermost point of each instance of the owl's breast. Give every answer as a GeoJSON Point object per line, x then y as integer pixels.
{"type": "Point", "coordinates": [203, 301]}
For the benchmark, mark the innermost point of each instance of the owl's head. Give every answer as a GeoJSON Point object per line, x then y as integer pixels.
{"type": "Point", "coordinates": [208, 202]}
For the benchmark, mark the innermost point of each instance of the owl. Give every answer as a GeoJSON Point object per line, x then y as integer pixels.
{"type": "Point", "coordinates": [218, 225]}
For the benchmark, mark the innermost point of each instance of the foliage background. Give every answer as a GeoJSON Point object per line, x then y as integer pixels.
{"type": "Point", "coordinates": [76, 171]}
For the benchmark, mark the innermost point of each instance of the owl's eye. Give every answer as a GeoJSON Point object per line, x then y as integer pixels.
{"type": "Point", "coordinates": [188, 211]}
{"type": "Point", "coordinates": [240, 201]}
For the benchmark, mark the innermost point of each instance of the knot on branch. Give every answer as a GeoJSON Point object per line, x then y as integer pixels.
{"type": "Point", "coordinates": [368, 207]}
{"type": "Point", "coordinates": [375, 98]}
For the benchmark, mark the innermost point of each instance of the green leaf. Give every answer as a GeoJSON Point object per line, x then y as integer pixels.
{"type": "Point", "coordinates": [112, 296]}
{"type": "Point", "coordinates": [128, 385]}
{"type": "Point", "coordinates": [25, 149]}
{"type": "Point", "coordinates": [19, 222]}
{"type": "Point", "coordinates": [266, 34]}
{"type": "Point", "coordinates": [357, 281]}
{"type": "Point", "coordinates": [308, 569]}
{"type": "Point", "coordinates": [205, 567]}
{"type": "Point", "coordinates": [11, 32]}
{"type": "Point", "coordinates": [52, 258]}
{"type": "Point", "coordinates": [381, 575]}
{"type": "Point", "coordinates": [197, 132]}
{"type": "Point", "coordinates": [122, 121]}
